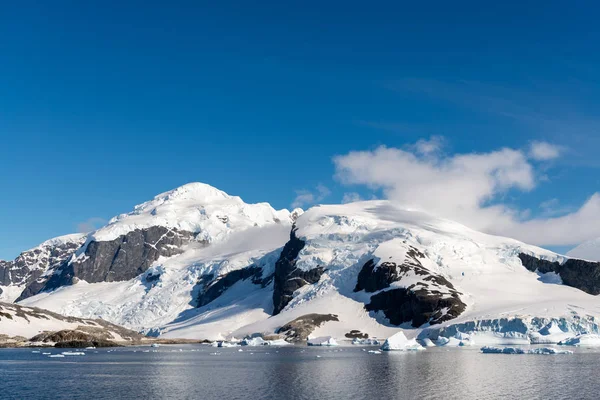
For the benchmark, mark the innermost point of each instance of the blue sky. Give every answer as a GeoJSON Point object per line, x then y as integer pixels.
{"type": "Point", "coordinates": [105, 104]}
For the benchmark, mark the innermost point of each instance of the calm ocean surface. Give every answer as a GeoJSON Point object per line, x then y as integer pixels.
{"type": "Point", "coordinates": [297, 373]}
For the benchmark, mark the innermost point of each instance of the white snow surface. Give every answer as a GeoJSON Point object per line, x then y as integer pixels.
{"type": "Point", "coordinates": [195, 207]}
{"type": "Point", "coordinates": [589, 250]}
{"type": "Point", "coordinates": [505, 302]}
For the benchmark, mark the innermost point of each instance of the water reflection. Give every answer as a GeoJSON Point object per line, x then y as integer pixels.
{"type": "Point", "coordinates": [298, 373]}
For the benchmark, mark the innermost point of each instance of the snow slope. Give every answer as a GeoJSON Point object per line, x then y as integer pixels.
{"type": "Point", "coordinates": [195, 207]}
{"type": "Point", "coordinates": [589, 250]}
{"type": "Point", "coordinates": [484, 269]}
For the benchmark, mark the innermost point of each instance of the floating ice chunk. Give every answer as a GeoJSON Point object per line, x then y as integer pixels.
{"type": "Point", "coordinates": [155, 345]}
{"type": "Point", "coordinates": [226, 344]}
{"type": "Point", "coordinates": [73, 353]}
{"type": "Point", "coordinates": [278, 342]}
{"type": "Point", "coordinates": [549, 350]}
{"type": "Point", "coordinates": [448, 342]}
{"type": "Point", "coordinates": [582, 340]}
{"type": "Point", "coordinates": [375, 352]}
{"type": "Point", "coordinates": [427, 342]}
{"type": "Point", "coordinates": [90, 348]}
{"type": "Point", "coordinates": [255, 341]}
{"type": "Point", "coordinates": [35, 351]}
{"type": "Point", "coordinates": [322, 341]}
{"type": "Point", "coordinates": [366, 342]}
{"type": "Point", "coordinates": [400, 342]}
{"type": "Point", "coordinates": [259, 341]}
{"type": "Point", "coordinates": [515, 350]}
{"type": "Point", "coordinates": [56, 356]}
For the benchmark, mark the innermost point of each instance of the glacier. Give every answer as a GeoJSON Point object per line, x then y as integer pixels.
{"type": "Point", "coordinates": [375, 267]}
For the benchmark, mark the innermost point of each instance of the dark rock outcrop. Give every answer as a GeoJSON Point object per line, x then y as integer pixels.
{"type": "Point", "coordinates": [120, 259]}
{"type": "Point", "coordinates": [433, 300]}
{"type": "Point", "coordinates": [354, 334]}
{"type": "Point", "coordinates": [580, 274]}
{"type": "Point", "coordinates": [371, 279]}
{"type": "Point", "coordinates": [416, 306]}
{"type": "Point", "coordinates": [299, 329]}
{"type": "Point", "coordinates": [73, 339]}
{"type": "Point", "coordinates": [214, 288]}
{"type": "Point", "coordinates": [31, 264]}
{"type": "Point", "coordinates": [288, 278]}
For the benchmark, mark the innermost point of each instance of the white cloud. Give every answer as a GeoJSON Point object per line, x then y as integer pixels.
{"type": "Point", "coordinates": [307, 197]}
{"type": "Point", "coordinates": [467, 188]}
{"type": "Point", "coordinates": [91, 224]}
{"type": "Point", "coordinates": [543, 151]}
{"type": "Point", "coordinates": [351, 197]}
{"type": "Point", "coordinates": [426, 147]}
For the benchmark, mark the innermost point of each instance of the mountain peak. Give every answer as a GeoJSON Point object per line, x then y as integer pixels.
{"type": "Point", "coordinates": [195, 207]}
{"type": "Point", "coordinates": [197, 191]}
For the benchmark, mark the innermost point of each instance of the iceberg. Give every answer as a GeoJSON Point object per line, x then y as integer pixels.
{"type": "Point", "coordinates": [259, 341]}
{"type": "Point", "coordinates": [322, 341]}
{"type": "Point", "coordinates": [366, 342]}
{"type": "Point", "coordinates": [516, 350]}
{"type": "Point", "coordinates": [400, 342]}
{"type": "Point", "coordinates": [73, 353]}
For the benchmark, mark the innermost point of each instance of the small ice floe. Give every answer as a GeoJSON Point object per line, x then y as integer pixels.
{"type": "Point", "coordinates": [516, 350]}
{"type": "Point", "coordinates": [259, 341]}
{"type": "Point", "coordinates": [35, 351]}
{"type": "Point", "coordinates": [322, 341]}
{"type": "Point", "coordinates": [46, 354]}
{"type": "Point", "coordinates": [73, 353]}
{"type": "Point", "coordinates": [226, 344]}
{"type": "Point", "coordinates": [90, 348]}
{"type": "Point", "coordinates": [400, 342]}
{"type": "Point", "coordinates": [240, 350]}
{"type": "Point", "coordinates": [366, 342]}
{"type": "Point", "coordinates": [56, 356]}
{"type": "Point", "coordinates": [155, 345]}
{"type": "Point", "coordinates": [586, 340]}
{"type": "Point", "coordinates": [318, 356]}
{"type": "Point", "coordinates": [374, 352]}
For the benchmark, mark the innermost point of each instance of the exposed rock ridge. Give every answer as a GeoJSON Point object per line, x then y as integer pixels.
{"type": "Point", "coordinates": [580, 274]}
{"type": "Point", "coordinates": [288, 278]}
{"type": "Point", "coordinates": [120, 259]}
{"type": "Point", "coordinates": [433, 299]}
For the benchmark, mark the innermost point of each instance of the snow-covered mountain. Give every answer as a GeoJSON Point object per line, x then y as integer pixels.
{"type": "Point", "coordinates": [34, 264]}
{"type": "Point", "coordinates": [198, 263]}
{"type": "Point", "coordinates": [589, 250]}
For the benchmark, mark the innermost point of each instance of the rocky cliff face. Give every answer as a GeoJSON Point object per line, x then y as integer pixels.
{"type": "Point", "coordinates": [432, 299]}
{"type": "Point", "coordinates": [120, 259]}
{"type": "Point", "coordinates": [287, 277]}
{"type": "Point", "coordinates": [580, 274]}
{"type": "Point", "coordinates": [32, 264]}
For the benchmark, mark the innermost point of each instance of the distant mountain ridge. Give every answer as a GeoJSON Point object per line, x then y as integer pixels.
{"type": "Point", "coordinates": [198, 263]}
